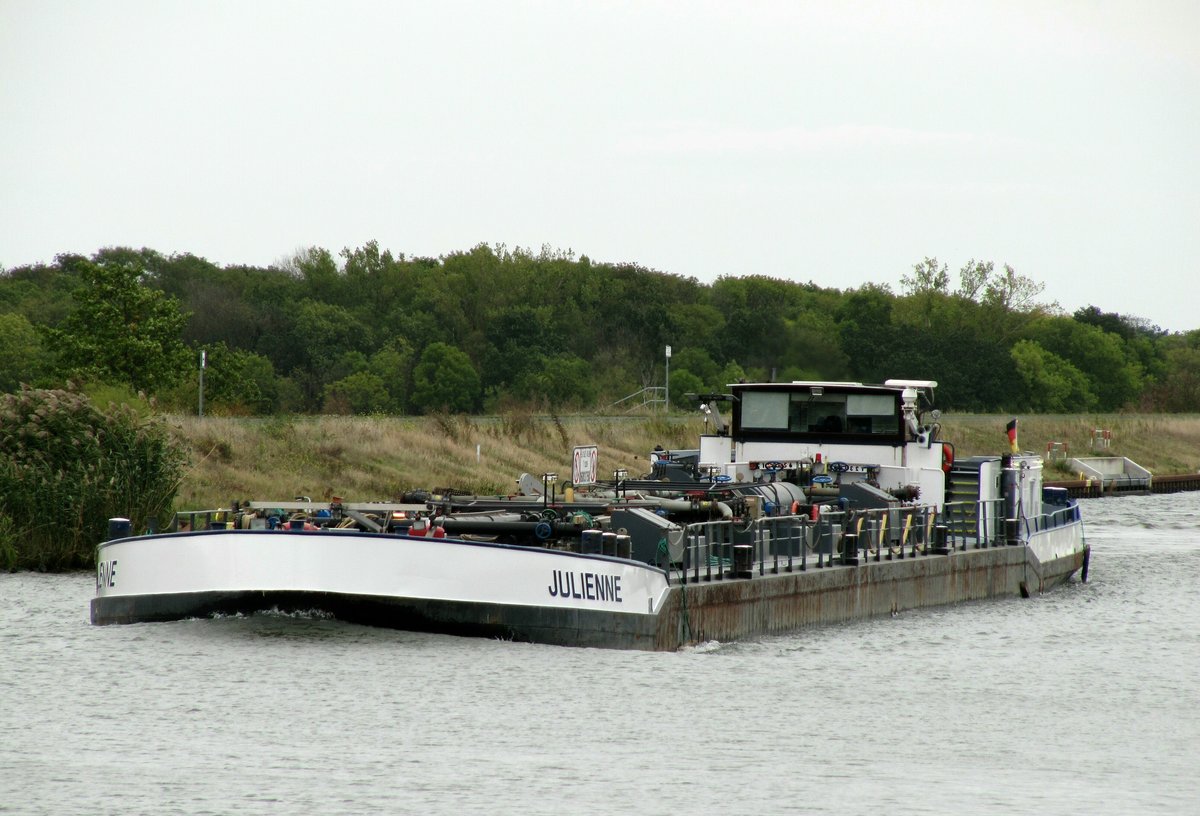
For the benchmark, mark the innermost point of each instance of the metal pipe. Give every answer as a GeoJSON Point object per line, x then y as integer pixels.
{"type": "Point", "coordinates": [558, 529]}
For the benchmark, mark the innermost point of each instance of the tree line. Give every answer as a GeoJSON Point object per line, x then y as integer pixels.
{"type": "Point", "coordinates": [492, 328]}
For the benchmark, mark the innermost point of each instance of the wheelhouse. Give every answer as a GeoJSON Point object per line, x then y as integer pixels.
{"type": "Point", "coordinates": [828, 413]}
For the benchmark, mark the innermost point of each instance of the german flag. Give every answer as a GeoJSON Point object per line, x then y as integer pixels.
{"type": "Point", "coordinates": [1012, 435]}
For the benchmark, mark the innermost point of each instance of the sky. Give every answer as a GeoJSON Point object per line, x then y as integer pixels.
{"type": "Point", "coordinates": [834, 142]}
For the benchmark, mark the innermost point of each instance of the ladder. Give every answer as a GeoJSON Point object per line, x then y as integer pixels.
{"type": "Point", "coordinates": [962, 489]}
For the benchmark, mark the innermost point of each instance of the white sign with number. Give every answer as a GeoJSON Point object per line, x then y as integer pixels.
{"type": "Point", "coordinates": [583, 465]}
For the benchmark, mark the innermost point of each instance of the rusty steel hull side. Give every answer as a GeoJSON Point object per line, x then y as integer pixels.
{"type": "Point", "coordinates": [772, 604]}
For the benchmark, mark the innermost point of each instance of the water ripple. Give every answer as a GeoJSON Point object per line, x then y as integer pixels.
{"type": "Point", "coordinates": [1079, 701]}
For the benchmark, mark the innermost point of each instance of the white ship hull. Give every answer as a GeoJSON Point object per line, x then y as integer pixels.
{"type": "Point", "coordinates": [445, 585]}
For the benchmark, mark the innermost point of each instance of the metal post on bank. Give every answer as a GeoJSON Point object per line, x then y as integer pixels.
{"type": "Point", "coordinates": [202, 362]}
{"type": "Point", "coordinates": [667, 391]}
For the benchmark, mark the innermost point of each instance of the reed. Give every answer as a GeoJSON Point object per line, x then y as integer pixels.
{"type": "Point", "coordinates": [66, 467]}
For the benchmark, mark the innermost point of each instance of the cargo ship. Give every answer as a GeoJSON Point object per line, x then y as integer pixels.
{"type": "Point", "coordinates": [811, 503]}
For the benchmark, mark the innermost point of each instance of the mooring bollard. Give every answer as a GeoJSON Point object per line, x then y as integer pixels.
{"type": "Point", "coordinates": [850, 549]}
{"type": "Point", "coordinates": [1012, 532]}
{"type": "Point", "coordinates": [743, 561]}
{"type": "Point", "coordinates": [590, 542]}
{"type": "Point", "coordinates": [119, 528]}
{"type": "Point", "coordinates": [940, 537]}
{"type": "Point", "coordinates": [624, 546]}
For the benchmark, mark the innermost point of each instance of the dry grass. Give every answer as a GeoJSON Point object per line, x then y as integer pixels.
{"type": "Point", "coordinates": [376, 459]}
{"type": "Point", "coordinates": [379, 458]}
{"type": "Point", "coordinates": [1163, 443]}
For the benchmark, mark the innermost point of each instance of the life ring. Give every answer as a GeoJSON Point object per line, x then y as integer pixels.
{"type": "Point", "coordinates": [947, 457]}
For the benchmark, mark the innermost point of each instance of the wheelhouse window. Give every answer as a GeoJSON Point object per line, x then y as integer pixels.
{"type": "Point", "coordinates": [765, 410]}
{"type": "Point", "coordinates": [802, 412]}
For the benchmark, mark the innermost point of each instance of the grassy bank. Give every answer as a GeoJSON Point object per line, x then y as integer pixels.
{"type": "Point", "coordinates": [379, 458]}
{"type": "Point", "coordinates": [376, 459]}
{"type": "Point", "coordinates": [1163, 443]}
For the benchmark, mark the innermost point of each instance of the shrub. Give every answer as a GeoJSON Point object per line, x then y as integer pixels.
{"type": "Point", "coordinates": [66, 467]}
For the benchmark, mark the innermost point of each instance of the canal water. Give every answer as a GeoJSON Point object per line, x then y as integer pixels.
{"type": "Point", "coordinates": [1082, 701]}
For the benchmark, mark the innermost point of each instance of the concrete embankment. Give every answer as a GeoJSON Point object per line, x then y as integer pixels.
{"type": "Point", "coordinates": [1095, 488]}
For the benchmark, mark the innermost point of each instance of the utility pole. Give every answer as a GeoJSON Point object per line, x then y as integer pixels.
{"type": "Point", "coordinates": [202, 361]}
{"type": "Point", "coordinates": [667, 400]}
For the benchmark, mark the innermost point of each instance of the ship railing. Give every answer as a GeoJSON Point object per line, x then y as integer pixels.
{"type": "Point", "coordinates": [716, 550]}
{"type": "Point", "coordinates": [185, 520]}
{"type": "Point", "coordinates": [727, 549]}
{"type": "Point", "coordinates": [1049, 520]}
{"type": "Point", "coordinates": [975, 524]}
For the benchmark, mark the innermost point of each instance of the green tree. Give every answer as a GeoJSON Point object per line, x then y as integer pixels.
{"type": "Point", "coordinates": [1114, 376]}
{"type": "Point", "coordinates": [1050, 383]}
{"type": "Point", "coordinates": [518, 339]}
{"type": "Point", "coordinates": [23, 358]}
{"type": "Point", "coordinates": [1110, 322]}
{"type": "Point", "coordinates": [366, 266]}
{"type": "Point", "coordinates": [41, 292]}
{"type": "Point", "coordinates": [756, 310]}
{"type": "Point", "coordinates": [445, 380]}
{"type": "Point", "coordinates": [121, 330]}
{"type": "Point", "coordinates": [684, 387]}
{"type": "Point", "coordinates": [393, 364]}
{"type": "Point", "coordinates": [867, 333]}
{"type": "Point", "coordinates": [1143, 340]}
{"type": "Point", "coordinates": [962, 338]}
{"type": "Point", "coordinates": [1010, 292]}
{"type": "Point", "coordinates": [235, 382]}
{"type": "Point", "coordinates": [926, 278]}
{"type": "Point", "coordinates": [319, 272]}
{"type": "Point", "coordinates": [698, 326]}
{"type": "Point", "coordinates": [698, 363]}
{"type": "Point", "coordinates": [562, 380]}
{"type": "Point", "coordinates": [1179, 389]}
{"type": "Point", "coordinates": [217, 314]}
{"type": "Point", "coordinates": [732, 373]}
{"type": "Point", "coordinates": [327, 343]}
{"type": "Point", "coordinates": [359, 393]}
